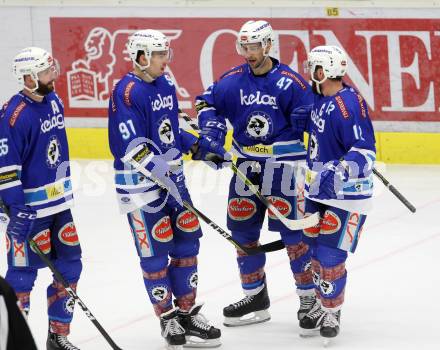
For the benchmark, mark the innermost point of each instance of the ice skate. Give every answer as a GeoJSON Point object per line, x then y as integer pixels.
{"type": "Point", "coordinates": [59, 342]}
{"type": "Point", "coordinates": [310, 324]}
{"type": "Point", "coordinates": [198, 332]}
{"type": "Point", "coordinates": [249, 310]}
{"type": "Point", "coordinates": [330, 326]}
{"type": "Point", "coordinates": [172, 331]}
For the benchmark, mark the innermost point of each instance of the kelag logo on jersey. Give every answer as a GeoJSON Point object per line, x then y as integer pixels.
{"type": "Point", "coordinates": [165, 131]}
{"type": "Point", "coordinates": [259, 125]}
{"type": "Point", "coordinates": [53, 152]}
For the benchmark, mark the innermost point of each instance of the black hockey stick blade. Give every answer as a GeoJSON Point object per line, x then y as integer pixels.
{"type": "Point", "coordinates": [395, 191]}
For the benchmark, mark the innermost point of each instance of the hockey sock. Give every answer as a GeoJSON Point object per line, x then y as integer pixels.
{"type": "Point", "coordinates": [332, 276]}
{"type": "Point", "coordinates": [184, 279]}
{"type": "Point", "coordinates": [157, 283]}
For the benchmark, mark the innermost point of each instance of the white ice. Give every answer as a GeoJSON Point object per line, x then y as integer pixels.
{"type": "Point", "coordinates": [393, 278]}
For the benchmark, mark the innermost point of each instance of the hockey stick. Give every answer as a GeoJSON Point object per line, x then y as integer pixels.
{"type": "Point", "coordinates": [394, 191]}
{"type": "Point", "coordinates": [67, 287]}
{"type": "Point", "coordinates": [265, 248]}
{"type": "Point", "coordinates": [291, 224]}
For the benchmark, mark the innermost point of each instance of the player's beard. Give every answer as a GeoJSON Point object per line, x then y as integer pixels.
{"type": "Point", "coordinates": [45, 89]}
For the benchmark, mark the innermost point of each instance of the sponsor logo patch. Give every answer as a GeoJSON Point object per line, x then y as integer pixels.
{"type": "Point", "coordinates": [68, 235]}
{"type": "Point", "coordinates": [187, 222]}
{"type": "Point", "coordinates": [162, 230]}
{"type": "Point", "coordinates": [311, 231]}
{"type": "Point", "coordinates": [69, 305]}
{"type": "Point", "coordinates": [241, 208]}
{"type": "Point", "coordinates": [283, 206]}
{"type": "Point", "coordinates": [43, 241]}
{"type": "Point", "coordinates": [193, 280]}
{"type": "Point", "coordinates": [327, 287]}
{"type": "Point", "coordinates": [331, 223]}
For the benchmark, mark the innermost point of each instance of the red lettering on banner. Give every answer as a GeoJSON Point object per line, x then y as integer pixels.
{"type": "Point", "coordinates": [392, 67]}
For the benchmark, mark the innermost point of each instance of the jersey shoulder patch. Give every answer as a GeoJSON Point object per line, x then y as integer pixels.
{"type": "Point", "coordinates": [233, 71]}
{"type": "Point", "coordinates": [18, 110]}
{"type": "Point", "coordinates": [127, 94]}
{"type": "Point", "coordinates": [342, 106]}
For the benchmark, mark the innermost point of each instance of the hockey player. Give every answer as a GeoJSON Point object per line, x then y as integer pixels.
{"type": "Point", "coordinates": [144, 129]}
{"type": "Point", "coordinates": [339, 182]}
{"type": "Point", "coordinates": [36, 188]}
{"type": "Point", "coordinates": [259, 98]}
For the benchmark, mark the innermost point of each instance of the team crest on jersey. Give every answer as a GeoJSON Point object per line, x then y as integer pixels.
{"type": "Point", "coordinates": [68, 235]}
{"type": "Point", "coordinates": [187, 221]}
{"type": "Point", "coordinates": [259, 125]}
{"type": "Point", "coordinates": [162, 230]}
{"type": "Point", "coordinates": [159, 293]}
{"type": "Point", "coordinates": [43, 241]}
{"type": "Point", "coordinates": [313, 146]}
{"type": "Point", "coordinates": [193, 280]}
{"type": "Point", "coordinates": [165, 131]}
{"type": "Point", "coordinates": [53, 152]}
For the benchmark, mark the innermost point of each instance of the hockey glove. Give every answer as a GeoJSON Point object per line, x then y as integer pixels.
{"type": "Point", "coordinates": [212, 152]}
{"type": "Point", "coordinates": [177, 192]}
{"type": "Point", "coordinates": [214, 129]}
{"type": "Point", "coordinates": [329, 181]}
{"type": "Point", "coordinates": [300, 117]}
{"type": "Point", "coordinates": [21, 222]}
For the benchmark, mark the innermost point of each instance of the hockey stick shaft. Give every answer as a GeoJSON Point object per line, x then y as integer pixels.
{"type": "Point", "coordinates": [67, 287]}
{"type": "Point", "coordinates": [299, 224]}
{"type": "Point", "coordinates": [277, 245]}
{"type": "Point", "coordinates": [394, 191]}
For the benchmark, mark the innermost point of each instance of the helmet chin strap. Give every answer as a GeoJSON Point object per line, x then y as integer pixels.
{"type": "Point", "coordinates": [318, 83]}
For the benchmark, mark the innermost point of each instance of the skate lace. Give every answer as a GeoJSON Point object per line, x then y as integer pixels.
{"type": "Point", "coordinates": [173, 327]}
{"type": "Point", "coordinates": [65, 343]}
{"type": "Point", "coordinates": [306, 301]}
{"type": "Point", "coordinates": [315, 312]}
{"type": "Point", "coordinates": [330, 320]}
{"type": "Point", "coordinates": [201, 322]}
{"type": "Point", "coordinates": [246, 300]}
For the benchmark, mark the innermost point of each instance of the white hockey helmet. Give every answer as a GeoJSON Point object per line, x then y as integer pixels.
{"type": "Point", "coordinates": [254, 32]}
{"type": "Point", "coordinates": [34, 61]}
{"type": "Point", "coordinates": [332, 59]}
{"type": "Point", "coordinates": [147, 40]}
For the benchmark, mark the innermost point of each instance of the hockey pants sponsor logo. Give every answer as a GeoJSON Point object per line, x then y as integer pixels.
{"type": "Point", "coordinates": [330, 223]}
{"type": "Point", "coordinates": [43, 241]}
{"type": "Point", "coordinates": [68, 235]}
{"type": "Point", "coordinates": [241, 208]}
{"type": "Point", "coordinates": [162, 230]}
{"type": "Point", "coordinates": [313, 231]}
{"type": "Point", "coordinates": [283, 206]}
{"type": "Point", "coordinates": [187, 221]}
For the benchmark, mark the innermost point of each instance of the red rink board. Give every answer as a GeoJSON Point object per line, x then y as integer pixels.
{"type": "Point", "coordinates": [395, 63]}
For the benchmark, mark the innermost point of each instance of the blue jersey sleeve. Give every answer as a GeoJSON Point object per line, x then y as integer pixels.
{"type": "Point", "coordinates": [209, 105]}
{"type": "Point", "coordinates": [126, 125]}
{"type": "Point", "coordinates": [12, 146]}
{"type": "Point", "coordinates": [355, 131]}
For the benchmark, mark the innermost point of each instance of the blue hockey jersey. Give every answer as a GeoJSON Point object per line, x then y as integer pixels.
{"type": "Point", "coordinates": [259, 108]}
{"type": "Point", "coordinates": [143, 114]}
{"type": "Point", "coordinates": [34, 155]}
{"type": "Point", "coordinates": [341, 130]}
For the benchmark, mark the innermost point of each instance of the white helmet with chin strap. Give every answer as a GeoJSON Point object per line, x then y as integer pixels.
{"type": "Point", "coordinates": [332, 59]}
{"type": "Point", "coordinates": [32, 61]}
{"type": "Point", "coordinates": [253, 32]}
{"type": "Point", "coordinates": [148, 41]}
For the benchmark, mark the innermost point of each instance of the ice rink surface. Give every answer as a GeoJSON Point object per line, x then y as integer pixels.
{"type": "Point", "coordinates": [393, 278]}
